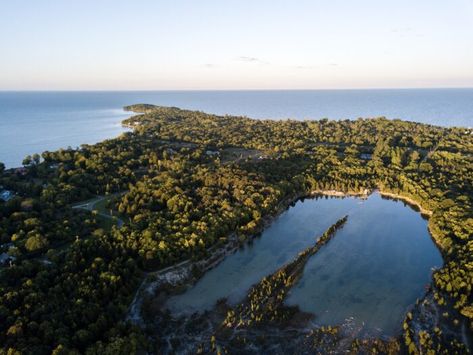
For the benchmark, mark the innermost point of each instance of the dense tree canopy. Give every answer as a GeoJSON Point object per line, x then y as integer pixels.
{"type": "Point", "coordinates": [74, 276]}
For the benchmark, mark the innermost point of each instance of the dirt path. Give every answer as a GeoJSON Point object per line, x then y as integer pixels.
{"type": "Point", "coordinates": [90, 205]}
{"type": "Point", "coordinates": [432, 151]}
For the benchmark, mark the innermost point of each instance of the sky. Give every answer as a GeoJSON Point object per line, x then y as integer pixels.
{"type": "Point", "coordinates": [235, 44]}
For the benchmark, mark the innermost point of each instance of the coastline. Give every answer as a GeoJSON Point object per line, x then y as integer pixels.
{"type": "Point", "coordinates": [97, 130]}
{"type": "Point", "coordinates": [149, 290]}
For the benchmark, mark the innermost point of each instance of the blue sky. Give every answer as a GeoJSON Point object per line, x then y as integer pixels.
{"type": "Point", "coordinates": [257, 44]}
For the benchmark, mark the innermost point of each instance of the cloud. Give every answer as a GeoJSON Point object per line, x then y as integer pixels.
{"type": "Point", "coordinates": [210, 65]}
{"type": "Point", "coordinates": [251, 60]}
{"type": "Point", "coordinates": [248, 59]}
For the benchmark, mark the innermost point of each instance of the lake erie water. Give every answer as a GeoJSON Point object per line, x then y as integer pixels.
{"type": "Point", "coordinates": [370, 273]}
{"type": "Point", "coordinates": [32, 122]}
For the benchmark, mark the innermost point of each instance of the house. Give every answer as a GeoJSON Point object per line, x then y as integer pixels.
{"type": "Point", "coordinates": [6, 195]}
{"type": "Point", "coordinates": [6, 259]}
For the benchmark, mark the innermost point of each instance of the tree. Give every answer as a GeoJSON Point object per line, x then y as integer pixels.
{"type": "Point", "coordinates": [36, 242]}
{"type": "Point", "coordinates": [27, 161]}
{"type": "Point", "coordinates": [36, 158]}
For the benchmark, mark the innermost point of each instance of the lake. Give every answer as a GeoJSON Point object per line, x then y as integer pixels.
{"type": "Point", "coordinates": [32, 122]}
{"type": "Point", "coordinates": [369, 274]}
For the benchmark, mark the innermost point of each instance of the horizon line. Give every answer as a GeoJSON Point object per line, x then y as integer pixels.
{"type": "Point", "coordinates": [237, 90]}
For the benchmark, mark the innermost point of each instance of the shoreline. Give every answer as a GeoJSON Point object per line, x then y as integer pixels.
{"type": "Point", "coordinates": [157, 287]}
{"type": "Point", "coordinates": [187, 272]}
{"type": "Point", "coordinates": [366, 193]}
{"type": "Point", "coordinates": [183, 273]}
{"type": "Point", "coordinates": [335, 193]}
{"type": "Point", "coordinates": [11, 167]}
{"type": "Point", "coordinates": [408, 200]}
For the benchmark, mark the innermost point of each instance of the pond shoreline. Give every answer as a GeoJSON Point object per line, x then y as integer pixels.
{"type": "Point", "coordinates": [159, 285]}
{"type": "Point", "coordinates": [366, 193]}
{"type": "Point", "coordinates": [408, 200]}
{"type": "Point", "coordinates": [176, 278]}
{"type": "Point", "coordinates": [180, 276]}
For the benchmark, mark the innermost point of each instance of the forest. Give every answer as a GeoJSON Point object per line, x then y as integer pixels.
{"type": "Point", "coordinates": [183, 181]}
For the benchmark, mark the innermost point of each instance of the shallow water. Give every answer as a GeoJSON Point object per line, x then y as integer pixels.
{"type": "Point", "coordinates": [376, 266]}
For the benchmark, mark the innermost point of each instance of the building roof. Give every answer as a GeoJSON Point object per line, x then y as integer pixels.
{"type": "Point", "coordinates": [6, 195]}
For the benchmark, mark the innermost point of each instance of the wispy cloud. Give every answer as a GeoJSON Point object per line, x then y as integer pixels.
{"type": "Point", "coordinates": [252, 60]}
{"type": "Point", "coordinates": [210, 65]}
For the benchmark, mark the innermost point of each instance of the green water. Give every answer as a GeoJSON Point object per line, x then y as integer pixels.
{"type": "Point", "coordinates": [368, 275]}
